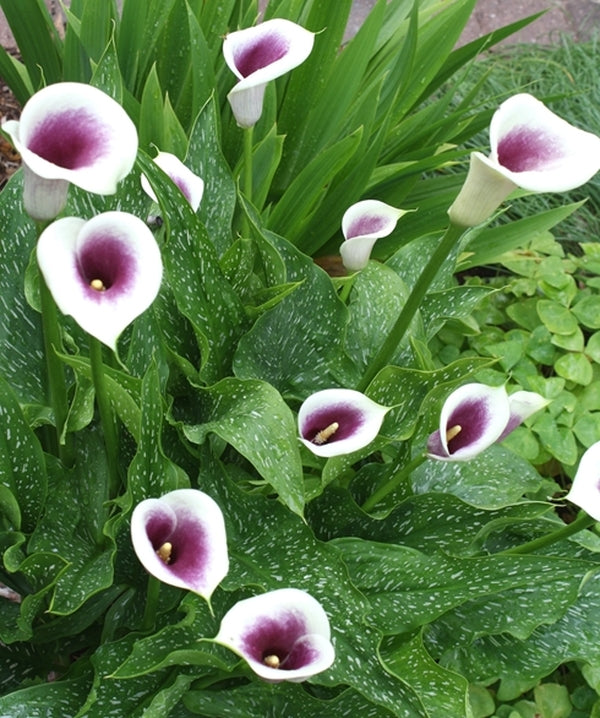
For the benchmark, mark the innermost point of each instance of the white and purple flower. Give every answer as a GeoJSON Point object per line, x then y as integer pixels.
{"type": "Point", "coordinates": [257, 55]}
{"type": "Point", "coordinates": [191, 186]}
{"type": "Point", "coordinates": [71, 132]}
{"type": "Point", "coordinates": [284, 635]}
{"type": "Point", "coordinates": [180, 539]}
{"type": "Point", "coordinates": [103, 272]}
{"type": "Point", "coordinates": [531, 148]}
{"type": "Point", "coordinates": [585, 489]}
{"type": "Point", "coordinates": [362, 225]}
{"type": "Point", "coordinates": [475, 416]}
{"type": "Point", "coordinates": [332, 422]}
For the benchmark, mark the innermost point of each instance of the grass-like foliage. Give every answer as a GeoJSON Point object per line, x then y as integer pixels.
{"type": "Point", "coordinates": [311, 418]}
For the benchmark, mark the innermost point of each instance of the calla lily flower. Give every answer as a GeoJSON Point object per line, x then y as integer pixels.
{"type": "Point", "coordinates": [180, 539]}
{"type": "Point", "coordinates": [531, 148]}
{"type": "Point", "coordinates": [71, 132]}
{"type": "Point", "coordinates": [191, 186]}
{"type": "Point", "coordinates": [104, 272]}
{"type": "Point", "coordinates": [585, 490]}
{"type": "Point", "coordinates": [284, 635]}
{"type": "Point", "coordinates": [475, 416]}
{"type": "Point", "coordinates": [362, 225]}
{"type": "Point", "coordinates": [338, 421]}
{"type": "Point", "coordinates": [259, 54]}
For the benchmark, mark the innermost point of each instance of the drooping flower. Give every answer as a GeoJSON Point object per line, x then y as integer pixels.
{"type": "Point", "coordinates": [585, 490]}
{"type": "Point", "coordinates": [191, 186]}
{"type": "Point", "coordinates": [180, 539]}
{"type": "Point", "coordinates": [284, 635]}
{"type": "Point", "coordinates": [332, 422]}
{"type": "Point", "coordinates": [71, 132]}
{"type": "Point", "coordinates": [259, 54]}
{"type": "Point", "coordinates": [362, 225]}
{"type": "Point", "coordinates": [475, 416]}
{"type": "Point", "coordinates": [531, 148]}
{"type": "Point", "coordinates": [103, 272]}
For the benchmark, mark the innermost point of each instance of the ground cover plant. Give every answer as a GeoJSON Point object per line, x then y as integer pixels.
{"type": "Point", "coordinates": [234, 483]}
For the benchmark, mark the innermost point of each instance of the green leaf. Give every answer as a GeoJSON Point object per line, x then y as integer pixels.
{"type": "Point", "coordinates": [494, 478]}
{"type": "Point", "coordinates": [587, 310]}
{"type": "Point", "coordinates": [297, 345]}
{"type": "Point", "coordinates": [22, 464]}
{"type": "Point", "coordinates": [556, 318]}
{"type": "Point", "coordinates": [37, 39]}
{"type": "Point", "coordinates": [49, 700]}
{"type": "Point", "coordinates": [21, 356]}
{"type": "Point", "coordinates": [252, 417]}
{"type": "Point", "coordinates": [574, 367]}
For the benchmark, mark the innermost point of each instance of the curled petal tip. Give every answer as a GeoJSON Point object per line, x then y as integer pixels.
{"type": "Point", "coordinates": [180, 539]}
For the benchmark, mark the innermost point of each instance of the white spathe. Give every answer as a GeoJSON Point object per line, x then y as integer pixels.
{"type": "Point", "coordinates": [190, 184]}
{"type": "Point", "coordinates": [71, 132]}
{"type": "Point", "coordinates": [259, 54]}
{"type": "Point", "coordinates": [180, 539]}
{"type": "Point", "coordinates": [363, 224]}
{"type": "Point", "coordinates": [284, 635]}
{"type": "Point", "coordinates": [103, 272]}
{"type": "Point", "coordinates": [585, 489]}
{"type": "Point", "coordinates": [532, 148]}
{"type": "Point", "coordinates": [333, 422]}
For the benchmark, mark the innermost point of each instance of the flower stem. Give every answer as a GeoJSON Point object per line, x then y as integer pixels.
{"type": "Point", "coordinates": [106, 414]}
{"type": "Point", "coordinates": [390, 345]}
{"type": "Point", "coordinates": [152, 593]}
{"type": "Point", "coordinates": [583, 521]}
{"type": "Point", "coordinates": [247, 178]}
{"type": "Point", "coordinates": [57, 384]}
{"type": "Point", "coordinates": [394, 482]}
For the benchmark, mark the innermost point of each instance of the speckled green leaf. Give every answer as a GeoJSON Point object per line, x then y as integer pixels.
{"type": "Point", "coordinates": [151, 473]}
{"type": "Point", "coordinates": [202, 293]}
{"type": "Point", "coordinates": [491, 594]}
{"type": "Point", "coordinates": [442, 692]}
{"type": "Point", "coordinates": [252, 417]}
{"type": "Point", "coordinates": [297, 345]}
{"type": "Point", "coordinates": [21, 358]}
{"type": "Point", "coordinates": [58, 699]}
{"type": "Point", "coordinates": [496, 477]}
{"type": "Point", "coordinates": [427, 522]}
{"type": "Point", "coordinates": [453, 303]}
{"type": "Point", "coordinates": [22, 464]}
{"type": "Point", "coordinates": [72, 527]}
{"type": "Point", "coordinates": [574, 636]}
{"type": "Point", "coordinates": [205, 158]}
{"type": "Point", "coordinates": [378, 295]}
{"type": "Point", "coordinates": [289, 700]}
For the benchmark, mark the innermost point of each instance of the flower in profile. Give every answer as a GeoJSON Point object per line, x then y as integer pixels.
{"type": "Point", "coordinates": [531, 148]}
{"type": "Point", "coordinates": [585, 490]}
{"type": "Point", "coordinates": [475, 416]}
{"type": "Point", "coordinates": [362, 225]}
{"type": "Point", "coordinates": [103, 272]}
{"type": "Point", "coordinates": [332, 422]}
{"type": "Point", "coordinates": [180, 539]}
{"type": "Point", "coordinates": [191, 186]}
{"type": "Point", "coordinates": [284, 635]}
{"type": "Point", "coordinates": [259, 54]}
{"type": "Point", "coordinates": [71, 132]}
